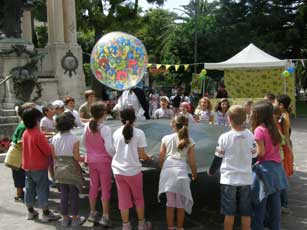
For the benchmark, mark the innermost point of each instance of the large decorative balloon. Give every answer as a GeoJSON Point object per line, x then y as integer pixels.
{"type": "Point", "coordinates": [119, 60]}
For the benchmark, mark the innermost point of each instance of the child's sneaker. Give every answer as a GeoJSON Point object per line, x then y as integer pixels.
{"type": "Point", "coordinates": [32, 215]}
{"type": "Point", "coordinates": [105, 222]}
{"type": "Point", "coordinates": [79, 221]}
{"type": "Point", "coordinates": [93, 217]}
{"type": "Point", "coordinates": [126, 226]}
{"type": "Point", "coordinates": [50, 217]}
{"type": "Point", "coordinates": [66, 222]}
{"type": "Point", "coordinates": [143, 225]}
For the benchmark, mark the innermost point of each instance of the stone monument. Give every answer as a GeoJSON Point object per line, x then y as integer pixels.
{"type": "Point", "coordinates": [60, 72]}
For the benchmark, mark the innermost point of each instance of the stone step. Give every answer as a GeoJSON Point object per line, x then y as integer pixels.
{"type": "Point", "coordinates": [7, 112]}
{"type": "Point", "coordinates": [7, 130]}
{"type": "Point", "coordinates": [6, 105]}
{"type": "Point", "coordinates": [8, 119]}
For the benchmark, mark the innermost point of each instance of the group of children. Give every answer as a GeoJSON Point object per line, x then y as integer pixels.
{"type": "Point", "coordinates": [119, 154]}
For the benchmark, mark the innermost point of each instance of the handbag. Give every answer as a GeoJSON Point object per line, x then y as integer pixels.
{"type": "Point", "coordinates": [68, 171]}
{"type": "Point", "coordinates": [13, 158]}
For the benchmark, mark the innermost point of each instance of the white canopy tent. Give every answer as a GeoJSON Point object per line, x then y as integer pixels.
{"type": "Point", "coordinates": [251, 57]}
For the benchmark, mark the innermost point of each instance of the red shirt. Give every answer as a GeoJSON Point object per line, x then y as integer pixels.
{"type": "Point", "coordinates": [35, 150]}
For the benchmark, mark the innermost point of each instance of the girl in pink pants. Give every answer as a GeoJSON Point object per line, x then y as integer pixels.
{"type": "Point", "coordinates": [129, 143]}
{"type": "Point", "coordinates": [99, 152]}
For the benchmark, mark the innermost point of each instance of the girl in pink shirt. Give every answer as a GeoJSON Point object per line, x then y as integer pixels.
{"type": "Point", "coordinates": [269, 176]}
{"type": "Point", "coordinates": [99, 152]}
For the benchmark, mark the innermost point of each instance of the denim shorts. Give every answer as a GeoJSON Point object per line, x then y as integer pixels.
{"type": "Point", "coordinates": [236, 200]}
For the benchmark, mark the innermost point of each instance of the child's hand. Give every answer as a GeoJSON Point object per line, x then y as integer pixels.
{"type": "Point", "coordinates": [194, 176]}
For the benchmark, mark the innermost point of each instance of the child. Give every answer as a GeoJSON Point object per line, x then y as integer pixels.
{"type": "Point", "coordinates": [221, 112]}
{"type": "Point", "coordinates": [99, 153]}
{"type": "Point", "coordinates": [47, 123]}
{"type": "Point", "coordinates": [269, 175]}
{"type": "Point", "coordinates": [59, 108]}
{"type": "Point", "coordinates": [36, 151]}
{"type": "Point", "coordinates": [153, 102]}
{"type": "Point", "coordinates": [70, 107]}
{"type": "Point", "coordinates": [129, 145]}
{"type": "Point", "coordinates": [66, 144]}
{"type": "Point", "coordinates": [233, 156]}
{"type": "Point", "coordinates": [85, 109]}
{"type": "Point", "coordinates": [184, 110]}
{"type": "Point", "coordinates": [18, 173]}
{"type": "Point", "coordinates": [283, 102]}
{"type": "Point", "coordinates": [248, 109]}
{"type": "Point", "coordinates": [178, 149]}
{"type": "Point", "coordinates": [163, 112]}
{"type": "Point", "coordinates": [270, 97]}
{"type": "Point", "coordinates": [203, 110]}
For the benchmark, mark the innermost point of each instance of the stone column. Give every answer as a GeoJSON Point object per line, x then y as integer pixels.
{"type": "Point", "coordinates": [26, 28]}
{"type": "Point", "coordinates": [58, 22]}
{"type": "Point", "coordinates": [50, 9]}
{"type": "Point", "coordinates": [70, 26]}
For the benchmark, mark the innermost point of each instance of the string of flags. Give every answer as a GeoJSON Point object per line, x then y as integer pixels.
{"type": "Point", "coordinates": [177, 66]}
{"type": "Point", "coordinates": [167, 66]}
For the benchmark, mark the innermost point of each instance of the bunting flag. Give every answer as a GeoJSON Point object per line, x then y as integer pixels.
{"type": "Point", "coordinates": [186, 67]}
{"type": "Point", "coordinates": [177, 67]}
{"type": "Point", "coordinates": [167, 66]}
{"type": "Point", "coordinates": [158, 66]}
{"type": "Point", "coordinates": [149, 65]}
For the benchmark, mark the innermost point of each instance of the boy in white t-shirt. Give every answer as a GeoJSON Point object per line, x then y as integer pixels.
{"type": "Point", "coordinates": [233, 156]}
{"type": "Point", "coordinates": [47, 124]}
{"type": "Point", "coordinates": [163, 112]}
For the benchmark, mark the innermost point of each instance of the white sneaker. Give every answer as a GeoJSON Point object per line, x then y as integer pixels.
{"type": "Point", "coordinates": [78, 222]}
{"type": "Point", "coordinates": [93, 217]}
{"type": "Point", "coordinates": [32, 215]}
{"type": "Point", "coordinates": [105, 222]}
{"type": "Point", "coordinates": [50, 217]}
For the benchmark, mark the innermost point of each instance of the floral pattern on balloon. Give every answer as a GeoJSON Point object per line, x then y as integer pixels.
{"type": "Point", "coordinates": [119, 60]}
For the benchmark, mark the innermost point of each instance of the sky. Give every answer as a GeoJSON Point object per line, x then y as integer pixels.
{"type": "Point", "coordinates": [169, 4]}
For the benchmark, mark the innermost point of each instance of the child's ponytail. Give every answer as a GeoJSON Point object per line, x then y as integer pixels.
{"type": "Point", "coordinates": [93, 125]}
{"type": "Point", "coordinates": [98, 110]}
{"type": "Point", "coordinates": [127, 117]}
{"type": "Point", "coordinates": [181, 124]}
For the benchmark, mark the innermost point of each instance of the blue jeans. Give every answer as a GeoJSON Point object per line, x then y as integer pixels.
{"type": "Point", "coordinates": [269, 204]}
{"type": "Point", "coordinates": [37, 183]}
{"type": "Point", "coordinates": [284, 198]}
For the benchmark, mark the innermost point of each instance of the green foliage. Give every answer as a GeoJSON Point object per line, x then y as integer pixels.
{"type": "Point", "coordinates": [88, 74]}
{"type": "Point", "coordinates": [42, 36]}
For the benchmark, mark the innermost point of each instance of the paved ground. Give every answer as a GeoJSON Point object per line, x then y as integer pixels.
{"type": "Point", "coordinates": [205, 214]}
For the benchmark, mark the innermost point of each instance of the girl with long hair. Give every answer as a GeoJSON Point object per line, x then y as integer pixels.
{"type": "Point", "coordinates": [176, 153]}
{"type": "Point", "coordinates": [130, 143]}
{"type": "Point", "coordinates": [99, 153]}
{"type": "Point", "coordinates": [269, 175]}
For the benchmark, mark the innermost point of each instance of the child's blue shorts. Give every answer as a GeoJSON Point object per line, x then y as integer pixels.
{"type": "Point", "coordinates": [236, 200]}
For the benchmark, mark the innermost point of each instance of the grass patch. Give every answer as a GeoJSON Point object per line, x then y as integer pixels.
{"type": "Point", "coordinates": [301, 107]}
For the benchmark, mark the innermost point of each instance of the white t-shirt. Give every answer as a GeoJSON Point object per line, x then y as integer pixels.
{"type": "Point", "coordinates": [126, 159]}
{"type": "Point", "coordinates": [64, 143]}
{"type": "Point", "coordinates": [171, 142]}
{"type": "Point", "coordinates": [77, 117]}
{"type": "Point", "coordinates": [164, 113]}
{"type": "Point", "coordinates": [237, 148]}
{"type": "Point", "coordinates": [130, 99]}
{"type": "Point", "coordinates": [47, 124]}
